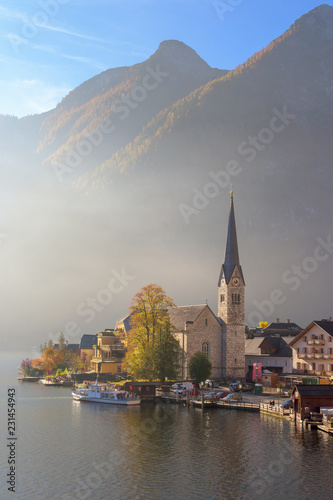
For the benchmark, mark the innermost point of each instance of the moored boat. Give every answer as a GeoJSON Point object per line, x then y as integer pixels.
{"type": "Point", "coordinates": [56, 382]}
{"type": "Point", "coordinates": [102, 393]}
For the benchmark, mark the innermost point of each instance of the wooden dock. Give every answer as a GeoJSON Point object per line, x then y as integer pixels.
{"type": "Point", "coordinates": [324, 428]}
{"type": "Point", "coordinates": [239, 405]}
{"type": "Point", "coordinates": [274, 410]}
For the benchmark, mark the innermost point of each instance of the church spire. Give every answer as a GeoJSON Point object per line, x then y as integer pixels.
{"type": "Point", "coordinates": [231, 259]}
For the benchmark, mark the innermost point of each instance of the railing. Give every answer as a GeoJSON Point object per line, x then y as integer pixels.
{"type": "Point", "coordinates": [319, 342]}
{"type": "Point", "coordinates": [275, 409]}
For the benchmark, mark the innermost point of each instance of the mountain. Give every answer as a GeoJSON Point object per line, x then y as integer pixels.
{"type": "Point", "coordinates": [138, 92]}
{"type": "Point", "coordinates": [272, 117]}
{"type": "Point", "coordinates": [145, 156]}
{"type": "Point", "coordinates": [236, 117]}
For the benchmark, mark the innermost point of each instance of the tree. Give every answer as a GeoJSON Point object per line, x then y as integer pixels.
{"type": "Point", "coordinates": [200, 367]}
{"type": "Point", "coordinates": [27, 369]}
{"type": "Point", "coordinates": [263, 324]}
{"type": "Point", "coordinates": [74, 363]}
{"type": "Point", "coordinates": [61, 342]}
{"type": "Point", "coordinates": [153, 350]}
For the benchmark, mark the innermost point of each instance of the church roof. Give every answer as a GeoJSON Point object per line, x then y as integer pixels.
{"type": "Point", "coordinates": [179, 315]}
{"type": "Point", "coordinates": [231, 259]}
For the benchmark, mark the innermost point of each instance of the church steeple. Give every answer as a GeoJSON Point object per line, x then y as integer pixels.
{"type": "Point", "coordinates": [231, 304]}
{"type": "Point", "coordinates": [231, 259]}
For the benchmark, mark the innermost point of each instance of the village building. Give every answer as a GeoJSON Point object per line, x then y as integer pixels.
{"type": "Point", "coordinates": [313, 349]}
{"type": "Point", "coordinates": [284, 329]}
{"type": "Point", "coordinates": [272, 351]}
{"type": "Point", "coordinates": [311, 399]}
{"type": "Point", "coordinates": [87, 350]}
{"type": "Point", "coordinates": [221, 337]}
{"type": "Point", "coordinates": [109, 352]}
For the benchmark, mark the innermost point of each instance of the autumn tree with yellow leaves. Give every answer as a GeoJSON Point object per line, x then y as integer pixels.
{"type": "Point", "coordinates": [153, 351]}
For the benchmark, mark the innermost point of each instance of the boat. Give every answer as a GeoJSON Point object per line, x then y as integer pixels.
{"type": "Point", "coordinates": [102, 393]}
{"type": "Point", "coordinates": [49, 381]}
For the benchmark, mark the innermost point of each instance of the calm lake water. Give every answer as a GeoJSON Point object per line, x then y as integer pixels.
{"type": "Point", "coordinates": [68, 450]}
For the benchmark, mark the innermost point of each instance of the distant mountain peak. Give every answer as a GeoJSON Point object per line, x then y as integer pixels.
{"type": "Point", "coordinates": [321, 13]}
{"type": "Point", "coordinates": [176, 52]}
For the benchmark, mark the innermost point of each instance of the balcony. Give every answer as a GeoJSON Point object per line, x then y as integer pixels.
{"type": "Point", "coordinates": [328, 356]}
{"type": "Point", "coordinates": [311, 342]}
{"type": "Point", "coordinates": [319, 342]}
{"type": "Point", "coordinates": [303, 355]}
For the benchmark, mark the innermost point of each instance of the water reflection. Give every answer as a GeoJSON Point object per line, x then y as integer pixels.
{"type": "Point", "coordinates": [70, 450]}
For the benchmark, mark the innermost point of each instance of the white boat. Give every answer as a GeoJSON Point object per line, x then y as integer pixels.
{"type": "Point", "coordinates": [56, 382]}
{"type": "Point", "coordinates": [102, 393]}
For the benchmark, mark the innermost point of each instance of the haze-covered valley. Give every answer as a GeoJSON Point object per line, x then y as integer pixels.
{"type": "Point", "coordinates": [127, 181]}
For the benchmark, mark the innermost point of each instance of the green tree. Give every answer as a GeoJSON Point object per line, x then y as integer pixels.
{"type": "Point", "coordinates": [62, 342]}
{"type": "Point", "coordinates": [200, 367]}
{"type": "Point", "coordinates": [263, 324]}
{"type": "Point", "coordinates": [153, 351]}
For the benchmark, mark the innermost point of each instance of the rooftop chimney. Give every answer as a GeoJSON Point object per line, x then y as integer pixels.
{"type": "Point", "coordinates": [278, 320]}
{"type": "Point", "coordinates": [288, 320]}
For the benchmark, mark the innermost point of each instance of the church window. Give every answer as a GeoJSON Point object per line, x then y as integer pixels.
{"type": "Point", "coordinates": [205, 349]}
{"type": "Point", "coordinates": [235, 298]}
{"type": "Point", "coordinates": [206, 321]}
{"type": "Point", "coordinates": [235, 334]}
{"type": "Point", "coordinates": [235, 361]}
{"type": "Point", "coordinates": [222, 298]}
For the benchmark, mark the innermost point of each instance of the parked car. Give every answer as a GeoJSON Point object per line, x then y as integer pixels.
{"type": "Point", "coordinates": [247, 388]}
{"type": "Point", "coordinates": [235, 387]}
{"type": "Point", "coordinates": [216, 395]}
{"type": "Point", "coordinates": [239, 387]}
{"type": "Point", "coordinates": [193, 392]}
{"type": "Point", "coordinates": [211, 383]}
{"type": "Point", "coordinates": [176, 386]}
{"type": "Point", "coordinates": [288, 403]}
{"type": "Point", "coordinates": [233, 397]}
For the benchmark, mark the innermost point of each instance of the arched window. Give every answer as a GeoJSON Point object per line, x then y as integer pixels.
{"type": "Point", "coordinates": [205, 349]}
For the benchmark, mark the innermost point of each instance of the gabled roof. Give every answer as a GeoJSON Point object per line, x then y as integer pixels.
{"type": "Point", "coordinates": [325, 325]}
{"type": "Point", "coordinates": [179, 315]}
{"type": "Point", "coordinates": [252, 346]}
{"type": "Point", "coordinates": [282, 349]}
{"type": "Point", "coordinates": [314, 390]}
{"type": "Point", "coordinates": [126, 321]}
{"type": "Point", "coordinates": [87, 341]}
{"type": "Point", "coordinates": [71, 347]}
{"type": "Point", "coordinates": [282, 329]}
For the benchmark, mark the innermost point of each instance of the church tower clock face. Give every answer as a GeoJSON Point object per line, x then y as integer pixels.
{"type": "Point", "coordinates": [236, 281]}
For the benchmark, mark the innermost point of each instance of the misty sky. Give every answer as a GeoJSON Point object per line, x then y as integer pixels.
{"type": "Point", "coordinates": [71, 263]}
{"type": "Point", "coordinates": [49, 47]}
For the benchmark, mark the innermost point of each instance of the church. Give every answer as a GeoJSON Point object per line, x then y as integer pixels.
{"type": "Point", "coordinates": [221, 337]}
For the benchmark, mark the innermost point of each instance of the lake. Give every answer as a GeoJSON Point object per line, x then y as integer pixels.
{"type": "Point", "coordinates": [68, 450]}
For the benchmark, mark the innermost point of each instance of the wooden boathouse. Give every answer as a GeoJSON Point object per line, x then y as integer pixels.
{"type": "Point", "coordinates": [309, 399]}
